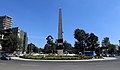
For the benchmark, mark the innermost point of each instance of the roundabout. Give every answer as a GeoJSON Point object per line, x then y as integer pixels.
{"type": "Point", "coordinates": [60, 65]}
{"type": "Point", "coordinates": [104, 58]}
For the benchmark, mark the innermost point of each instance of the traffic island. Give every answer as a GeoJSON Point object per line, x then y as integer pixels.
{"type": "Point", "coordinates": [61, 57]}
{"type": "Point", "coordinates": [93, 59]}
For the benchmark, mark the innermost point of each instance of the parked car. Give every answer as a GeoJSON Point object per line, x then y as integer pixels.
{"type": "Point", "coordinates": [112, 55]}
{"type": "Point", "coordinates": [108, 55]}
{"type": "Point", "coordinates": [105, 55]}
{"type": "Point", "coordinates": [5, 57]}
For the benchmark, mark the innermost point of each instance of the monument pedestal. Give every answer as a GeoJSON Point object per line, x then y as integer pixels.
{"type": "Point", "coordinates": [60, 52]}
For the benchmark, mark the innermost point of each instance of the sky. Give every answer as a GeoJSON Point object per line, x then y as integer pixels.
{"type": "Point", "coordinates": [39, 18]}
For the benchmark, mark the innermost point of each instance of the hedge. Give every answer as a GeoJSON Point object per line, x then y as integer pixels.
{"type": "Point", "coordinates": [59, 57]}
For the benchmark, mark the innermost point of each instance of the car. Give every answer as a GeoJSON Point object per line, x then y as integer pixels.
{"type": "Point", "coordinates": [35, 54]}
{"type": "Point", "coordinates": [5, 57]}
{"type": "Point", "coordinates": [112, 55]}
{"type": "Point", "coordinates": [105, 55]}
{"type": "Point", "coordinates": [108, 55]}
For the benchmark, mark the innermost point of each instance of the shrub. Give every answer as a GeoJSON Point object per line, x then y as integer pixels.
{"type": "Point", "coordinates": [98, 57]}
{"type": "Point", "coordinates": [60, 57]}
{"type": "Point", "coordinates": [87, 57]}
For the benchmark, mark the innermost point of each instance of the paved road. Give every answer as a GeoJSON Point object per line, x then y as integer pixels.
{"type": "Point", "coordinates": [28, 65]}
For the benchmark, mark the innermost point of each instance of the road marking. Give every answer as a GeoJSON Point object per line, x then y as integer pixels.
{"type": "Point", "coordinates": [29, 65]}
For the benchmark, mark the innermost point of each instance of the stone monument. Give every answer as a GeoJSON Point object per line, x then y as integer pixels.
{"type": "Point", "coordinates": [60, 36]}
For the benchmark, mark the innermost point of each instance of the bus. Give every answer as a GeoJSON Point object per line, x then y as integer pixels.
{"type": "Point", "coordinates": [90, 53]}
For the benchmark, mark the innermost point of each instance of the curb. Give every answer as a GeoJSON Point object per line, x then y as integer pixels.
{"type": "Point", "coordinates": [104, 58]}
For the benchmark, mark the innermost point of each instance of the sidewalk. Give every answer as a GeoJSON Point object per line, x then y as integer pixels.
{"type": "Point", "coordinates": [104, 58]}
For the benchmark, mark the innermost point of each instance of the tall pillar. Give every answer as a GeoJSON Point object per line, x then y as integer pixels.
{"type": "Point", "coordinates": [60, 24]}
{"type": "Point", "coordinates": [60, 36]}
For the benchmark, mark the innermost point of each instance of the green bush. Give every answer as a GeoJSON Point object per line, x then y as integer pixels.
{"type": "Point", "coordinates": [87, 57]}
{"type": "Point", "coordinates": [31, 57]}
{"type": "Point", "coordinates": [60, 57]}
{"type": "Point", "coordinates": [98, 57]}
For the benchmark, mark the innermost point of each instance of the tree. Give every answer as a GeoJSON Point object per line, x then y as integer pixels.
{"type": "Point", "coordinates": [85, 41]}
{"type": "Point", "coordinates": [106, 42]}
{"type": "Point", "coordinates": [50, 46]}
{"type": "Point", "coordinates": [67, 46]}
{"type": "Point", "coordinates": [49, 39]}
{"type": "Point", "coordinates": [31, 48]}
{"type": "Point", "coordinates": [111, 49]}
{"type": "Point", "coordinates": [77, 47]}
{"type": "Point", "coordinates": [35, 49]}
{"type": "Point", "coordinates": [92, 42]}
{"type": "Point", "coordinates": [10, 43]}
{"type": "Point", "coordinates": [41, 50]}
{"type": "Point", "coordinates": [80, 35]}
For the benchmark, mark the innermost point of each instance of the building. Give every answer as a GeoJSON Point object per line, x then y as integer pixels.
{"type": "Point", "coordinates": [20, 37]}
{"type": "Point", "coordinates": [5, 22]}
{"type": "Point", "coordinates": [18, 34]}
{"type": "Point", "coordinates": [23, 39]}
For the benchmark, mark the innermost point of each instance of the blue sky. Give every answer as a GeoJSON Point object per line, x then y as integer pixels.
{"type": "Point", "coordinates": [39, 18]}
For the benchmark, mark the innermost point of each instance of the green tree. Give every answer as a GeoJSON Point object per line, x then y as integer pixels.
{"type": "Point", "coordinates": [32, 48]}
{"type": "Point", "coordinates": [10, 43]}
{"type": "Point", "coordinates": [50, 46]}
{"type": "Point", "coordinates": [109, 48]}
{"type": "Point", "coordinates": [35, 49]}
{"type": "Point", "coordinates": [92, 42]}
{"type": "Point", "coordinates": [67, 46]}
{"type": "Point", "coordinates": [80, 35]}
{"type": "Point", "coordinates": [47, 49]}
{"type": "Point", "coordinates": [78, 47]}
{"type": "Point", "coordinates": [106, 42]}
{"type": "Point", "coordinates": [85, 41]}
{"type": "Point", "coordinates": [40, 50]}
{"type": "Point", "coordinates": [112, 49]}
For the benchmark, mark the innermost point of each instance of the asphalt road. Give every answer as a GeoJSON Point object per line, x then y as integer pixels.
{"type": "Point", "coordinates": [32, 65]}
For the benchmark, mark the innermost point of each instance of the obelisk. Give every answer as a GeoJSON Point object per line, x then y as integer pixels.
{"type": "Point", "coordinates": [60, 25]}
{"type": "Point", "coordinates": [60, 35]}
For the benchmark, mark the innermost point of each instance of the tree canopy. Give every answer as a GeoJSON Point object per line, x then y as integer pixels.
{"type": "Point", "coordinates": [67, 46]}
{"type": "Point", "coordinates": [50, 46]}
{"type": "Point", "coordinates": [106, 42]}
{"type": "Point", "coordinates": [10, 43]}
{"type": "Point", "coordinates": [85, 41]}
{"type": "Point", "coordinates": [32, 48]}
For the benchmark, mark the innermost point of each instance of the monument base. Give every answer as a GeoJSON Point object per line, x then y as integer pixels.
{"type": "Point", "coordinates": [60, 52]}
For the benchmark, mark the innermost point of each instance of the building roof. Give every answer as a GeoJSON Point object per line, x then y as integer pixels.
{"type": "Point", "coordinates": [5, 16]}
